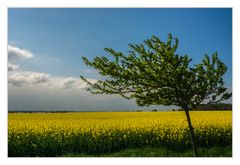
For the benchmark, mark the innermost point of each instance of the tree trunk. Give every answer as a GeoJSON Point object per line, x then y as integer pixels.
{"type": "Point", "coordinates": [191, 130]}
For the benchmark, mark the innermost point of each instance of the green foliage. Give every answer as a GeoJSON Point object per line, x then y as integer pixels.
{"type": "Point", "coordinates": [152, 73]}
{"type": "Point", "coordinates": [224, 151]}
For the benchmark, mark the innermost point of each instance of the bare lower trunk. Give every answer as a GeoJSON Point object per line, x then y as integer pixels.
{"type": "Point", "coordinates": [191, 130]}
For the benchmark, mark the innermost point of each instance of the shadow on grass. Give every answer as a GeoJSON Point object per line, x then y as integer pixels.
{"type": "Point", "coordinates": [225, 151]}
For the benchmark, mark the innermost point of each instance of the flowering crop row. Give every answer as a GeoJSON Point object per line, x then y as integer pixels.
{"type": "Point", "coordinates": [55, 134]}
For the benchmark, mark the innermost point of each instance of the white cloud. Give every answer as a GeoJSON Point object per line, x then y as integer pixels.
{"type": "Point", "coordinates": [15, 52]}
{"type": "Point", "coordinates": [68, 83]}
{"type": "Point", "coordinates": [12, 67]}
{"type": "Point", "coordinates": [20, 78]}
{"type": "Point", "coordinates": [37, 78]}
{"type": "Point", "coordinates": [45, 82]}
{"type": "Point", "coordinates": [84, 85]}
{"type": "Point", "coordinates": [75, 83]}
{"type": "Point", "coordinates": [30, 79]}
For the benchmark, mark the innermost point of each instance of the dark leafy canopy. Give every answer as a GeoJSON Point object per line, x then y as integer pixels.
{"type": "Point", "coordinates": [152, 73]}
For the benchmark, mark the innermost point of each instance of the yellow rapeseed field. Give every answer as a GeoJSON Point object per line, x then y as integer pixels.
{"type": "Point", "coordinates": [53, 134]}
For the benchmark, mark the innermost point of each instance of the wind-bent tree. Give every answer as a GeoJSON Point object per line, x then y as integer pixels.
{"type": "Point", "coordinates": [153, 74]}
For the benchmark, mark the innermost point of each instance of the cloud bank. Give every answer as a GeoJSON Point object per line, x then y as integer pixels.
{"type": "Point", "coordinates": [27, 78]}
{"type": "Point", "coordinates": [68, 83]}
{"type": "Point", "coordinates": [12, 67]}
{"type": "Point", "coordinates": [30, 79]}
{"type": "Point", "coordinates": [19, 78]}
{"type": "Point", "coordinates": [15, 52]}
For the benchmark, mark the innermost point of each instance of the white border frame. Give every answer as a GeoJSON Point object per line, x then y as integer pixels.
{"type": "Point", "coordinates": [234, 4]}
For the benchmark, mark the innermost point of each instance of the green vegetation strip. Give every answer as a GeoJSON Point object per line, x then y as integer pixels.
{"type": "Point", "coordinates": [216, 151]}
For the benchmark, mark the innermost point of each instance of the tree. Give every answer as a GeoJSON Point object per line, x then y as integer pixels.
{"type": "Point", "coordinates": [153, 74]}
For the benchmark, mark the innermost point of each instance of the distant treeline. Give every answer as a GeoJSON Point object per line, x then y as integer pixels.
{"type": "Point", "coordinates": [212, 107]}
{"type": "Point", "coordinates": [42, 111]}
{"type": "Point", "coordinates": [205, 107]}
{"type": "Point", "coordinates": [201, 107]}
{"type": "Point", "coordinates": [12, 111]}
{"type": "Point", "coordinates": [221, 106]}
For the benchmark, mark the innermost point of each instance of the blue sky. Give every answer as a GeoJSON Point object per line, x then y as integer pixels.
{"type": "Point", "coordinates": [57, 38]}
